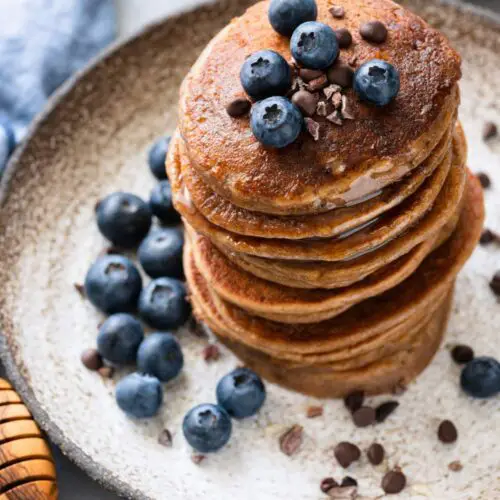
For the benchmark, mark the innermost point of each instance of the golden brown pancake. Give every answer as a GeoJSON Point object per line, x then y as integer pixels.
{"type": "Point", "coordinates": [222, 213]}
{"type": "Point", "coordinates": [377, 148]}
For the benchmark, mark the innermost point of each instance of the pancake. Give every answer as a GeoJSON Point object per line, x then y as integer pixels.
{"type": "Point", "coordinates": [377, 148]}
{"type": "Point", "coordinates": [224, 214]}
{"type": "Point", "coordinates": [369, 319]}
{"type": "Point", "coordinates": [356, 242]}
{"type": "Point", "coordinates": [294, 305]}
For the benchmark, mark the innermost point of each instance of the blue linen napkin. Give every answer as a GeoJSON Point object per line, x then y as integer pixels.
{"type": "Point", "coordinates": [42, 42]}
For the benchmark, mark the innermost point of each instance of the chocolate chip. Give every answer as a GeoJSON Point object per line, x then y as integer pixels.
{"type": "Point", "coordinates": [321, 108]}
{"type": "Point", "coordinates": [306, 102]}
{"type": "Point", "coordinates": [238, 107]}
{"type": "Point", "coordinates": [394, 482]}
{"type": "Point", "coordinates": [384, 410]}
{"type": "Point", "coordinates": [211, 353]}
{"type": "Point", "coordinates": [331, 90]}
{"type": "Point", "coordinates": [340, 74]}
{"type": "Point", "coordinates": [374, 32]}
{"type": "Point", "coordinates": [327, 484]}
{"type": "Point", "coordinates": [312, 127]}
{"type": "Point", "coordinates": [462, 354]}
{"type": "Point", "coordinates": [291, 440]}
{"type": "Point", "coordinates": [197, 459]}
{"type": "Point", "coordinates": [447, 432]}
{"type": "Point", "coordinates": [484, 180]}
{"type": "Point", "coordinates": [310, 74]}
{"type": "Point", "coordinates": [337, 11]}
{"type": "Point", "coordinates": [165, 438]}
{"type": "Point", "coordinates": [348, 481]}
{"type": "Point", "coordinates": [335, 118]}
{"type": "Point", "coordinates": [318, 83]}
{"type": "Point", "coordinates": [364, 416]}
{"type": "Point", "coordinates": [80, 289]}
{"type": "Point", "coordinates": [346, 110]}
{"type": "Point", "coordinates": [455, 466]}
{"type": "Point", "coordinates": [314, 411]}
{"type": "Point", "coordinates": [344, 38]}
{"type": "Point", "coordinates": [346, 453]}
{"type": "Point", "coordinates": [91, 359]}
{"type": "Point", "coordinates": [488, 236]}
{"type": "Point", "coordinates": [106, 371]}
{"type": "Point", "coordinates": [495, 283]}
{"type": "Point", "coordinates": [490, 131]}
{"type": "Point", "coordinates": [375, 453]}
{"type": "Point", "coordinates": [337, 100]}
{"type": "Point", "coordinates": [354, 401]}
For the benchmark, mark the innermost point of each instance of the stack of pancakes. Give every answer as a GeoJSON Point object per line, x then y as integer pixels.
{"type": "Point", "coordinates": [328, 266]}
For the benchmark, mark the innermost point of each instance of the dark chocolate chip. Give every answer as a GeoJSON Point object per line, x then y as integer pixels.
{"type": "Point", "coordinates": [490, 131]}
{"type": "Point", "coordinates": [364, 416]}
{"type": "Point", "coordinates": [335, 118]}
{"type": "Point", "coordinates": [211, 353]}
{"type": "Point", "coordinates": [375, 453]}
{"type": "Point", "coordinates": [337, 11]}
{"type": "Point", "coordinates": [354, 401]}
{"type": "Point", "coordinates": [327, 484]}
{"type": "Point", "coordinates": [310, 74]}
{"type": "Point", "coordinates": [484, 180]}
{"type": "Point", "coordinates": [340, 74]}
{"type": "Point", "coordinates": [91, 359]}
{"type": "Point", "coordinates": [374, 32]}
{"type": "Point", "coordinates": [165, 438]}
{"type": "Point", "coordinates": [346, 453]}
{"type": "Point", "coordinates": [318, 83]}
{"type": "Point", "coordinates": [106, 371]}
{"type": "Point", "coordinates": [462, 354]}
{"type": "Point", "coordinates": [321, 108]}
{"type": "Point", "coordinates": [344, 38]}
{"type": "Point", "coordinates": [291, 440]}
{"type": "Point", "coordinates": [487, 237]}
{"type": "Point", "coordinates": [495, 283]}
{"type": "Point", "coordinates": [447, 432]}
{"type": "Point", "coordinates": [394, 482]}
{"type": "Point", "coordinates": [306, 102]}
{"type": "Point", "coordinates": [312, 127]}
{"type": "Point", "coordinates": [197, 459]}
{"type": "Point", "coordinates": [346, 109]}
{"type": "Point", "coordinates": [314, 411]}
{"type": "Point", "coordinates": [384, 410]}
{"type": "Point", "coordinates": [348, 481]}
{"type": "Point", "coordinates": [455, 466]}
{"type": "Point", "coordinates": [239, 107]}
{"type": "Point", "coordinates": [80, 289]}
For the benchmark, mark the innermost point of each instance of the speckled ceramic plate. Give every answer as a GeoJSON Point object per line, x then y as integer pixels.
{"type": "Point", "coordinates": [92, 140]}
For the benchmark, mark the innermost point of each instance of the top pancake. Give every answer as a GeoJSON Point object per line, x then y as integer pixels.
{"type": "Point", "coordinates": [378, 147]}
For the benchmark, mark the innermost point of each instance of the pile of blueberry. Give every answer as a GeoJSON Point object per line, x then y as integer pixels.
{"type": "Point", "coordinates": [114, 285]}
{"type": "Point", "coordinates": [267, 77]}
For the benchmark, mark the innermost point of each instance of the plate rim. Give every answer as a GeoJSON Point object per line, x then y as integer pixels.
{"type": "Point", "coordinates": [101, 475]}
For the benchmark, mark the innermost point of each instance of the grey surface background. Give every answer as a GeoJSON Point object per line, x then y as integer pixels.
{"type": "Point", "coordinates": [134, 14]}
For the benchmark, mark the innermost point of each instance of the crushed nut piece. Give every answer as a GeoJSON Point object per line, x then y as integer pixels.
{"type": "Point", "coordinates": [312, 127]}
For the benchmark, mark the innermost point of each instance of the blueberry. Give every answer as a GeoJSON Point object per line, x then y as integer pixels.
{"type": "Point", "coordinates": [377, 82]}
{"type": "Point", "coordinates": [160, 254]}
{"type": "Point", "coordinates": [265, 74]}
{"type": "Point", "coordinates": [160, 355]}
{"type": "Point", "coordinates": [139, 396]}
{"type": "Point", "coordinates": [314, 45]}
{"type": "Point", "coordinates": [157, 156]}
{"type": "Point", "coordinates": [276, 122]}
{"type": "Point", "coordinates": [124, 219]}
{"type": "Point", "coordinates": [119, 338]}
{"type": "Point", "coordinates": [113, 284]}
{"type": "Point", "coordinates": [481, 377]}
{"type": "Point", "coordinates": [241, 393]}
{"type": "Point", "coordinates": [207, 428]}
{"type": "Point", "coordinates": [286, 15]}
{"type": "Point", "coordinates": [163, 304]}
{"type": "Point", "coordinates": [160, 203]}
